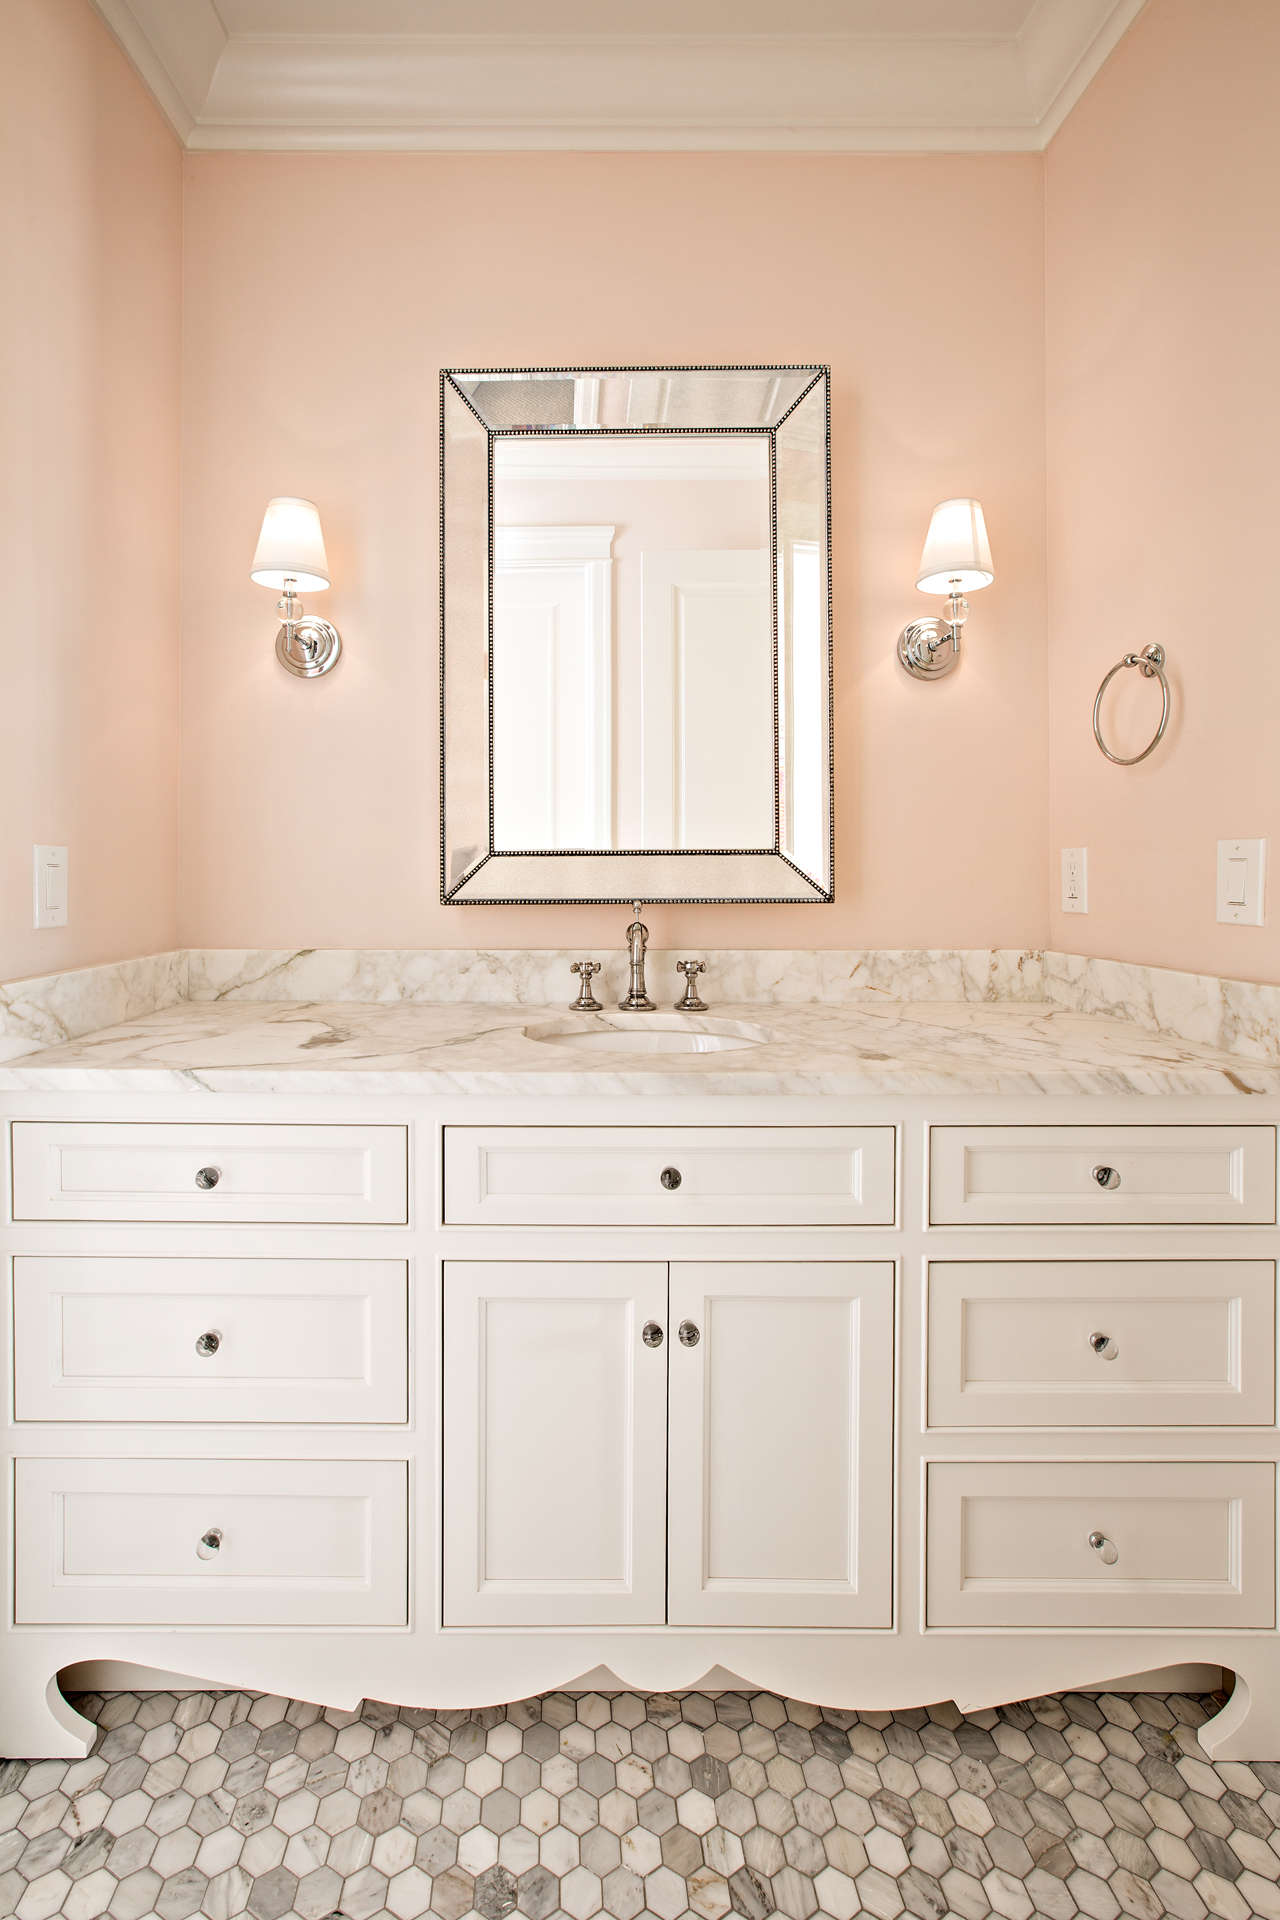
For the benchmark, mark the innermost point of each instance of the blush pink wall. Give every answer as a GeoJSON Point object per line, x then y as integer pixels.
{"type": "Point", "coordinates": [1163, 412]}
{"type": "Point", "coordinates": [322, 295]}
{"type": "Point", "coordinates": [90, 288]}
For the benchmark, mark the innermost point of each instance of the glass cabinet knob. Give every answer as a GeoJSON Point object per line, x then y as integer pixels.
{"type": "Point", "coordinates": [671, 1178]}
{"type": "Point", "coordinates": [209, 1544]}
{"type": "Point", "coordinates": [1103, 1345]}
{"type": "Point", "coordinates": [689, 1334]}
{"type": "Point", "coordinates": [208, 1177]}
{"type": "Point", "coordinates": [1107, 1550]}
{"type": "Point", "coordinates": [1107, 1178]}
{"type": "Point", "coordinates": [651, 1334]}
{"type": "Point", "coordinates": [208, 1343]}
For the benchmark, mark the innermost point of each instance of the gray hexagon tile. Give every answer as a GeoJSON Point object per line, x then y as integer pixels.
{"type": "Point", "coordinates": [210, 1806]}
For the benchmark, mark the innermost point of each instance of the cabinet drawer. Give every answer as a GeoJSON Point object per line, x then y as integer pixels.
{"type": "Point", "coordinates": [302, 1543]}
{"type": "Point", "coordinates": [1102, 1343]}
{"type": "Point", "coordinates": [659, 1176]}
{"type": "Point", "coordinates": [1053, 1176]}
{"type": "Point", "coordinates": [1181, 1543]}
{"type": "Point", "coordinates": [209, 1340]}
{"type": "Point", "coordinates": [94, 1170]}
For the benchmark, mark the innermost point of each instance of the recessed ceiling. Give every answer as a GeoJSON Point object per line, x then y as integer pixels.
{"type": "Point", "coordinates": [831, 76]}
{"type": "Point", "coordinates": [656, 16]}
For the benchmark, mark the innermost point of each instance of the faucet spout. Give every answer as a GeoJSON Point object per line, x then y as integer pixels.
{"type": "Point", "coordinates": [636, 999]}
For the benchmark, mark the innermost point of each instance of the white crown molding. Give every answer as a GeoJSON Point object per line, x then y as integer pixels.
{"type": "Point", "coordinates": [1063, 44]}
{"type": "Point", "coordinates": [176, 46]}
{"type": "Point", "coordinates": [797, 92]}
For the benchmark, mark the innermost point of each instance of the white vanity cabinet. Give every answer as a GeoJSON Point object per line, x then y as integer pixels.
{"type": "Point", "coordinates": [700, 1444]}
{"type": "Point", "coordinates": [450, 1397]}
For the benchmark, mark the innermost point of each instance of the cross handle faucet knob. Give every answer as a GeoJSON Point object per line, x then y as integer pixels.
{"type": "Point", "coordinates": [690, 1001]}
{"type": "Point", "coordinates": [586, 1001]}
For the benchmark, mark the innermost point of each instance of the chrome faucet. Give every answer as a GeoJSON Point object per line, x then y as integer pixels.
{"type": "Point", "coordinates": [636, 999]}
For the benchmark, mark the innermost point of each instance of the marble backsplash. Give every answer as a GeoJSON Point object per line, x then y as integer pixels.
{"type": "Point", "coordinates": [1237, 1016]}
{"type": "Point", "coordinates": [54, 1007]}
{"type": "Point", "coordinates": [541, 977]}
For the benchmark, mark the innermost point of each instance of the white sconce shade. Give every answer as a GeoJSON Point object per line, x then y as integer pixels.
{"type": "Point", "coordinates": [957, 554]}
{"type": "Point", "coordinates": [291, 547]}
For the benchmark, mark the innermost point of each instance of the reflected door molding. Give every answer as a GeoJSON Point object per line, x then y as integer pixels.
{"type": "Point", "coordinates": [552, 687]}
{"type": "Point", "coordinates": [544, 802]}
{"type": "Point", "coordinates": [706, 648]}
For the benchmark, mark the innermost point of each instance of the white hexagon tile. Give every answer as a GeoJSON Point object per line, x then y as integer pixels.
{"type": "Point", "coordinates": [222, 1805]}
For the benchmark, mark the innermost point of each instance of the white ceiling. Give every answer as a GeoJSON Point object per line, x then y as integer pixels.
{"type": "Point", "coordinates": [829, 75]}
{"type": "Point", "coordinates": [589, 16]}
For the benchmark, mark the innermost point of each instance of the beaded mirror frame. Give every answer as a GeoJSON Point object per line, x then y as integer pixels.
{"type": "Point", "coordinates": [790, 414]}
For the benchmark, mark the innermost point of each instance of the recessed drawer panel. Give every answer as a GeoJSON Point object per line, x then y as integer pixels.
{"type": "Point", "coordinates": [661, 1176]}
{"type": "Point", "coordinates": [223, 1543]}
{"type": "Point", "coordinates": [1169, 1543]}
{"type": "Point", "coordinates": [103, 1171]}
{"type": "Point", "coordinates": [1101, 1343]}
{"type": "Point", "coordinates": [209, 1340]}
{"type": "Point", "coordinates": [1102, 1176]}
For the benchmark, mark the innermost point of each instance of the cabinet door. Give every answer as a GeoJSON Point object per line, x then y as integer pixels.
{"type": "Point", "coordinates": [554, 1443]}
{"type": "Point", "coordinates": [781, 1428]}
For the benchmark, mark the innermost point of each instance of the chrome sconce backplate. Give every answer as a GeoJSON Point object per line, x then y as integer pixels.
{"type": "Point", "coordinates": [305, 645]}
{"type": "Point", "coordinates": [929, 648]}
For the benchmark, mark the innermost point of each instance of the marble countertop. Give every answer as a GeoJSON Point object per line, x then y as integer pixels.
{"type": "Point", "coordinates": [882, 1046]}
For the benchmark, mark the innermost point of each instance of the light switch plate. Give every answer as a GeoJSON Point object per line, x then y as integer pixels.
{"type": "Point", "coordinates": [49, 885]}
{"type": "Point", "coordinates": [1242, 874]}
{"type": "Point", "coordinates": [1075, 879]}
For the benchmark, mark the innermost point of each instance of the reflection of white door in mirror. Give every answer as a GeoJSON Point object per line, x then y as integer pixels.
{"type": "Point", "coordinates": [552, 642]}
{"type": "Point", "coordinates": [706, 702]}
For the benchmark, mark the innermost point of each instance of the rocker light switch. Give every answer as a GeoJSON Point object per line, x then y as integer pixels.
{"type": "Point", "coordinates": [49, 877]}
{"type": "Point", "coordinates": [1241, 882]}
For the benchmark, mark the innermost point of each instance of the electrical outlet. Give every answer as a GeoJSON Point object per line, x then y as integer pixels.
{"type": "Point", "coordinates": [1075, 879]}
{"type": "Point", "coordinates": [49, 885]}
{"type": "Point", "coordinates": [1242, 872]}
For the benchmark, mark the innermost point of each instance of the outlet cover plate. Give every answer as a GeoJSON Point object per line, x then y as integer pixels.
{"type": "Point", "coordinates": [1075, 880]}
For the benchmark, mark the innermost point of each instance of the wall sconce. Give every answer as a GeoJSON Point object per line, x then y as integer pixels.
{"type": "Point", "coordinates": [956, 560]}
{"type": "Point", "coordinates": [290, 558]}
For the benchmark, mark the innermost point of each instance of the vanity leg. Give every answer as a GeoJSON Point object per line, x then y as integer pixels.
{"type": "Point", "coordinates": [37, 1724]}
{"type": "Point", "coordinates": [1248, 1727]}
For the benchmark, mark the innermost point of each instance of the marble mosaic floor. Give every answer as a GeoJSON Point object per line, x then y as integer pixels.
{"type": "Point", "coordinates": [221, 1805]}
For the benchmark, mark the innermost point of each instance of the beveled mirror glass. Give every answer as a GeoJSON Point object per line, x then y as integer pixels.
{"type": "Point", "coordinates": [635, 634]}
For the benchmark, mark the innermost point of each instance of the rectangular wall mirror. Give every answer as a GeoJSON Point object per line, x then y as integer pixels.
{"type": "Point", "coordinates": [635, 634]}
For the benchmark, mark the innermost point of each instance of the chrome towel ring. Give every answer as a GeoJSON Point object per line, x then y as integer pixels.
{"type": "Point", "coordinates": [1151, 663]}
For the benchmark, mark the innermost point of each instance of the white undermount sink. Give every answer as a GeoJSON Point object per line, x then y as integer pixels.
{"type": "Point", "coordinates": [646, 1033]}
